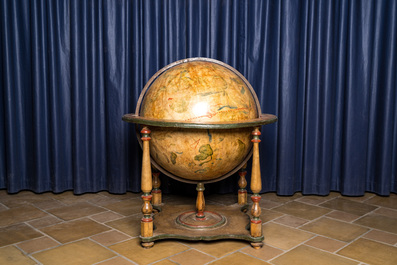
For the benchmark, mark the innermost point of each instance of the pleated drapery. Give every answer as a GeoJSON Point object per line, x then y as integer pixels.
{"type": "Point", "coordinates": [70, 69]}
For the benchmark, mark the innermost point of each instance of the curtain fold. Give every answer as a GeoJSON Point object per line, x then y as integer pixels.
{"type": "Point", "coordinates": [69, 70]}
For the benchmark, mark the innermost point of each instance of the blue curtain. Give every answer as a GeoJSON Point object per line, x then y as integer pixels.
{"type": "Point", "coordinates": [70, 69]}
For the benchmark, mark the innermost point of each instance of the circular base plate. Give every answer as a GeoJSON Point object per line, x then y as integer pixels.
{"type": "Point", "coordinates": [211, 220]}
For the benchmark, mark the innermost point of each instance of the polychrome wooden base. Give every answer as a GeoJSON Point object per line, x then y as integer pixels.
{"type": "Point", "coordinates": [186, 222]}
{"type": "Point", "coordinates": [224, 222]}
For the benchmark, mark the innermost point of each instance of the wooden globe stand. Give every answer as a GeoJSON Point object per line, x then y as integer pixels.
{"type": "Point", "coordinates": [183, 222]}
{"type": "Point", "coordinates": [202, 112]}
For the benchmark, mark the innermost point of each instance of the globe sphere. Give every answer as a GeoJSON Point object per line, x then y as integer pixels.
{"type": "Point", "coordinates": [199, 90]}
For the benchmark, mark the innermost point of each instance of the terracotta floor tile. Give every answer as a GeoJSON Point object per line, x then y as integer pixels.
{"type": "Point", "coordinates": [37, 244]}
{"type": "Point", "coordinates": [17, 233]}
{"type": "Point", "coordinates": [103, 200]}
{"type": "Point", "coordinates": [68, 197]}
{"type": "Point", "coordinates": [386, 212]}
{"type": "Point", "coordinates": [126, 207]}
{"type": "Point", "coordinates": [380, 222]}
{"type": "Point", "coordinates": [20, 214]}
{"type": "Point", "coordinates": [115, 261]}
{"type": "Point", "coordinates": [382, 236]}
{"type": "Point", "coordinates": [129, 225]}
{"type": "Point", "coordinates": [389, 201]}
{"type": "Point", "coordinates": [343, 216]}
{"type": "Point", "coordinates": [192, 257]}
{"type": "Point", "coordinates": [283, 237]}
{"type": "Point", "coordinates": [305, 255]}
{"type": "Point", "coordinates": [120, 197]}
{"type": "Point", "coordinates": [265, 253]}
{"type": "Point", "coordinates": [302, 210]}
{"type": "Point", "coordinates": [225, 199]}
{"type": "Point", "coordinates": [12, 256]}
{"type": "Point", "coordinates": [182, 200]}
{"type": "Point", "coordinates": [335, 229]}
{"type": "Point", "coordinates": [110, 238]}
{"type": "Point", "coordinates": [48, 204]}
{"type": "Point", "coordinates": [290, 220]}
{"type": "Point", "coordinates": [218, 248]}
{"type": "Point", "coordinates": [22, 198]}
{"type": "Point", "coordinates": [268, 215]}
{"type": "Point", "coordinates": [324, 243]}
{"type": "Point", "coordinates": [363, 198]}
{"type": "Point", "coordinates": [75, 211]}
{"type": "Point", "coordinates": [74, 230]}
{"type": "Point", "coordinates": [238, 259]}
{"type": "Point", "coordinates": [348, 206]}
{"type": "Point", "coordinates": [272, 196]}
{"type": "Point", "coordinates": [267, 204]}
{"type": "Point", "coordinates": [45, 221]}
{"type": "Point", "coordinates": [370, 252]}
{"type": "Point", "coordinates": [106, 217]}
{"type": "Point", "coordinates": [132, 250]}
{"type": "Point", "coordinates": [76, 253]}
{"type": "Point", "coordinates": [313, 199]}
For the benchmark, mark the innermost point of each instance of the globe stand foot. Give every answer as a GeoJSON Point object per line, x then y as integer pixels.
{"type": "Point", "coordinates": [257, 245]}
{"type": "Point", "coordinates": [147, 245]}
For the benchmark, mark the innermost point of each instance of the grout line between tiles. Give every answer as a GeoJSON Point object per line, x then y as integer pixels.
{"type": "Point", "coordinates": [118, 242]}
{"type": "Point", "coordinates": [41, 232]}
{"type": "Point", "coordinates": [351, 222]}
{"type": "Point", "coordinates": [109, 259]}
{"type": "Point", "coordinates": [228, 254]}
{"type": "Point", "coordinates": [374, 229]}
{"type": "Point", "coordinates": [192, 248]}
{"type": "Point", "coordinates": [303, 242]}
{"type": "Point", "coordinates": [44, 236]}
{"type": "Point", "coordinates": [315, 234]}
{"type": "Point", "coordinates": [322, 250]}
{"type": "Point", "coordinates": [260, 258]}
{"type": "Point", "coordinates": [6, 208]}
{"type": "Point", "coordinates": [107, 211]}
{"type": "Point", "coordinates": [154, 262]}
{"type": "Point", "coordinates": [35, 260]}
{"type": "Point", "coordinates": [111, 250]}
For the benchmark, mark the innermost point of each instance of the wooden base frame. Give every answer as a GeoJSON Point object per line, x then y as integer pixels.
{"type": "Point", "coordinates": [185, 222]}
{"type": "Point", "coordinates": [237, 225]}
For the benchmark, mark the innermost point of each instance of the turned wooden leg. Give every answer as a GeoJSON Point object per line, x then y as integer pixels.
{"type": "Point", "coordinates": [200, 202]}
{"type": "Point", "coordinates": [156, 192]}
{"type": "Point", "coordinates": [256, 186]}
{"type": "Point", "coordinates": [146, 186]}
{"type": "Point", "coordinates": [242, 183]}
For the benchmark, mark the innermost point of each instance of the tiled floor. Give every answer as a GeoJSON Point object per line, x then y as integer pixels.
{"type": "Point", "coordinates": [102, 228]}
